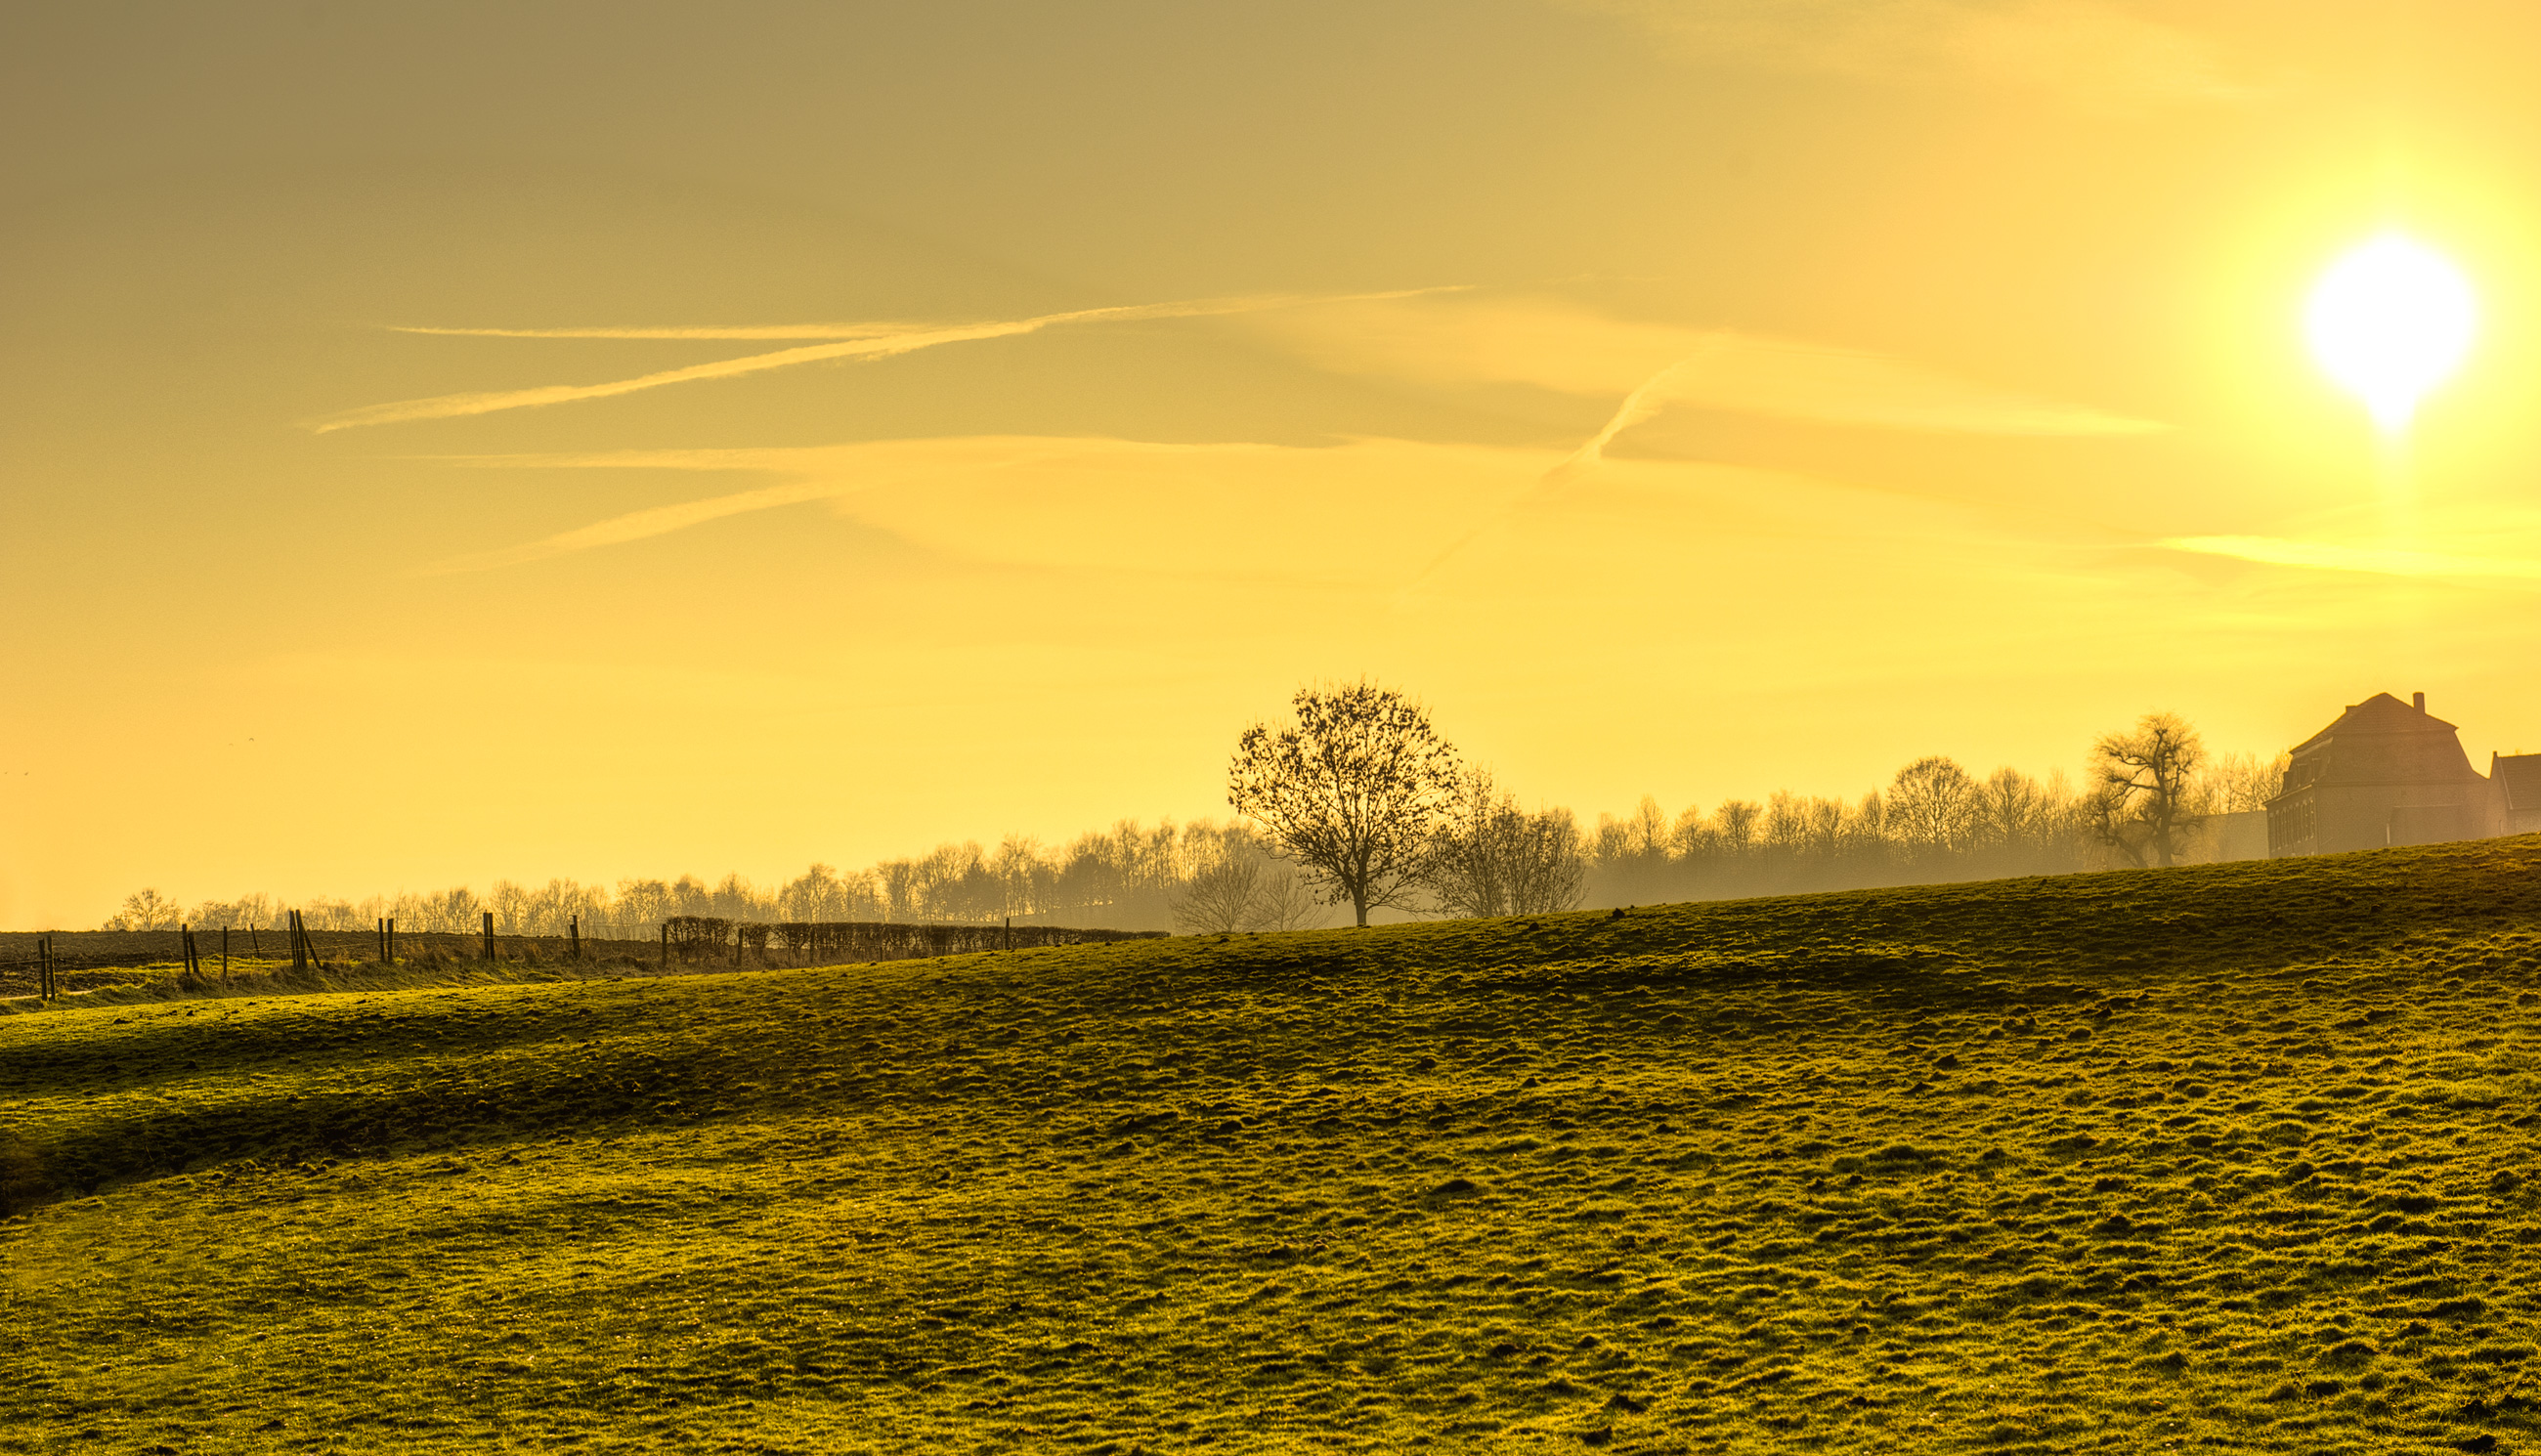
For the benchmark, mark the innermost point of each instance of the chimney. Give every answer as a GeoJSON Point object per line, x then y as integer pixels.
{"type": "Point", "coordinates": [2417, 700]}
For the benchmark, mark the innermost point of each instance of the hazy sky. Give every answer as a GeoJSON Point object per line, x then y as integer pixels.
{"type": "Point", "coordinates": [455, 441]}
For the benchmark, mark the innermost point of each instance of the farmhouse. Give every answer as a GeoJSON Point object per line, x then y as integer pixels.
{"type": "Point", "coordinates": [2389, 772]}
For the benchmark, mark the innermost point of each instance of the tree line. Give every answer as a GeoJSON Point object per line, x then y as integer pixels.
{"type": "Point", "coordinates": [1129, 877]}
{"type": "Point", "coordinates": [1360, 805]}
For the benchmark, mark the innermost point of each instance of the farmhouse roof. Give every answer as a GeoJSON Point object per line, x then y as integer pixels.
{"type": "Point", "coordinates": [2381, 714]}
{"type": "Point", "coordinates": [2381, 741]}
{"type": "Point", "coordinates": [2520, 776]}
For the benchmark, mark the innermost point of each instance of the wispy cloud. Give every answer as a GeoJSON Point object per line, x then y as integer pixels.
{"type": "Point", "coordinates": [2095, 54]}
{"type": "Point", "coordinates": [1248, 509]}
{"type": "Point", "coordinates": [684, 330]}
{"type": "Point", "coordinates": [1800, 381]}
{"type": "Point", "coordinates": [2333, 557]}
{"type": "Point", "coordinates": [862, 345]}
{"type": "Point", "coordinates": [1552, 344]}
{"type": "Point", "coordinates": [641, 524]}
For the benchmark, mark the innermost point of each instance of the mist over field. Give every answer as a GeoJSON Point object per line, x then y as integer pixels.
{"type": "Point", "coordinates": [1651, 725]}
{"type": "Point", "coordinates": [1933, 822]}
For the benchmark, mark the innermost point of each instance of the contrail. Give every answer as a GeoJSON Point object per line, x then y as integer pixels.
{"type": "Point", "coordinates": [1849, 387]}
{"type": "Point", "coordinates": [451, 407]}
{"type": "Point", "coordinates": [1642, 402]}
{"type": "Point", "coordinates": [2330, 556]}
{"type": "Point", "coordinates": [696, 330]}
{"type": "Point", "coordinates": [823, 473]}
{"type": "Point", "coordinates": [637, 525]}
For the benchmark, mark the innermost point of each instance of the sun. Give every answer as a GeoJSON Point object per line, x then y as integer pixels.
{"type": "Point", "coordinates": [2390, 321]}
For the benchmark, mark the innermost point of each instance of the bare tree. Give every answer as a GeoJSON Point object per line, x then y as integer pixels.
{"type": "Point", "coordinates": [1733, 827]}
{"type": "Point", "coordinates": [1494, 859]}
{"type": "Point", "coordinates": [1548, 869]}
{"type": "Point", "coordinates": [1934, 808]}
{"type": "Point", "coordinates": [146, 910]}
{"type": "Point", "coordinates": [2011, 811]}
{"type": "Point", "coordinates": [1469, 854]}
{"type": "Point", "coordinates": [1786, 831]}
{"type": "Point", "coordinates": [2240, 783]}
{"type": "Point", "coordinates": [814, 897]}
{"type": "Point", "coordinates": [1286, 902]}
{"type": "Point", "coordinates": [642, 902]}
{"type": "Point", "coordinates": [1011, 866]}
{"type": "Point", "coordinates": [1234, 883]}
{"type": "Point", "coordinates": [1221, 897]}
{"type": "Point", "coordinates": [511, 904]}
{"type": "Point", "coordinates": [455, 909]}
{"type": "Point", "coordinates": [1352, 792]}
{"type": "Point", "coordinates": [2145, 801]}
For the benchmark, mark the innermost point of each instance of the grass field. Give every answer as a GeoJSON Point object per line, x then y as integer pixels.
{"type": "Point", "coordinates": [2230, 1157]}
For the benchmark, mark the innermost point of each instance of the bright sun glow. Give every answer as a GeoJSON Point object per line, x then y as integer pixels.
{"type": "Point", "coordinates": [2390, 321]}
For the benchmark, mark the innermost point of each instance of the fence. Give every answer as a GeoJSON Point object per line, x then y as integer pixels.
{"type": "Point", "coordinates": [48, 964]}
{"type": "Point", "coordinates": [691, 938]}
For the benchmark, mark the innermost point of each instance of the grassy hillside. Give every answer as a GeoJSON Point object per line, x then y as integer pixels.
{"type": "Point", "coordinates": [2233, 1156]}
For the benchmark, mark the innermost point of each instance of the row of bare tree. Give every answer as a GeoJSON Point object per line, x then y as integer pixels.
{"type": "Point", "coordinates": [1129, 877]}
{"type": "Point", "coordinates": [1364, 795]}
{"type": "Point", "coordinates": [1361, 803]}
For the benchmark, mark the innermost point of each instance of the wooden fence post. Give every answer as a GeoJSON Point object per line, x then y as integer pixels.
{"type": "Point", "coordinates": [489, 935]}
{"type": "Point", "coordinates": [392, 940]}
{"type": "Point", "coordinates": [666, 947]}
{"type": "Point", "coordinates": [573, 927]}
{"type": "Point", "coordinates": [225, 955]}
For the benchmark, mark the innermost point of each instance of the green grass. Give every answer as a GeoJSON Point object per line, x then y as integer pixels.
{"type": "Point", "coordinates": [2232, 1157]}
{"type": "Point", "coordinates": [90, 985]}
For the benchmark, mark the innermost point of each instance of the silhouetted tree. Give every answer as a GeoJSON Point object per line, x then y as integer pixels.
{"type": "Point", "coordinates": [1221, 897]}
{"type": "Point", "coordinates": [146, 910]}
{"type": "Point", "coordinates": [1492, 858]}
{"type": "Point", "coordinates": [511, 906]}
{"type": "Point", "coordinates": [1286, 902]}
{"type": "Point", "coordinates": [1352, 792]}
{"type": "Point", "coordinates": [1934, 808]}
{"type": "Point", "coordinates": [2144, 802]}
{"type": "Point", "coordinates": [642, 902]}
{"type": "Point", "coordinates": [2238, 783]}
{"type": "Point", "coordinates": [1733, 828]}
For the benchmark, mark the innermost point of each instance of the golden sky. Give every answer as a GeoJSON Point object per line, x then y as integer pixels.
{"type": "Point", "coordinates": [456, 441]}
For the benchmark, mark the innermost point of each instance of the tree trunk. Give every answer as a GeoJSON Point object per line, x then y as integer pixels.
{"type": "Point", "coordinates": [1359, 903]}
